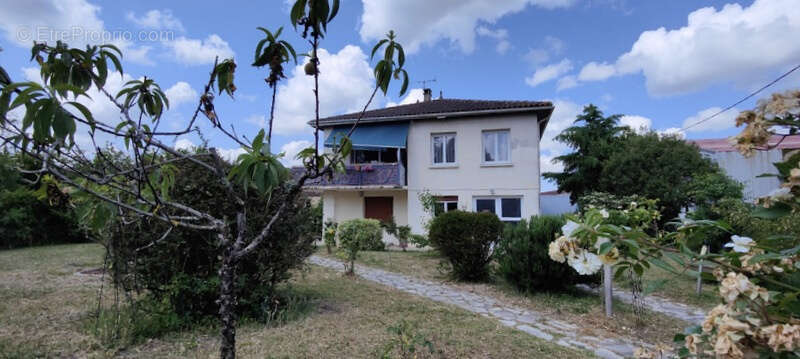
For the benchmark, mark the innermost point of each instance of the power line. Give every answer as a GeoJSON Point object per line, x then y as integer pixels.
{"type": "Point", "coordinates": [742, 100]}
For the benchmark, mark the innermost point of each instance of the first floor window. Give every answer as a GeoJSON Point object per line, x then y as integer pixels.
{"type": "Point", "coordinates": [445, 204]}
{"type": "Point", "coordinates": [506, 208]}
{"type": "Point", "coordinates": [496, 146]}
{"type": "Point", "coordinates": [443, 148]}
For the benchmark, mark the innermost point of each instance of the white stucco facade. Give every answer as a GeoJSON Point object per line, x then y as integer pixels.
{"type": "Point", "coordinates": [468, 178]}
{"type": "Point", "coordinates": [747, 169]}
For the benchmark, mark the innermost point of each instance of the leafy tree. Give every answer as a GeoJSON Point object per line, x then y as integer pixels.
{"type": "Point", "coordinates": [144, 191]}
{"type": "Point", "coordinates": [593, 143]}
{"type": "Point", "coordinates": [655, 167]}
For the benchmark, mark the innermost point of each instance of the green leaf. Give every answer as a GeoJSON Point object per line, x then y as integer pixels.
{"type": "Point", "coordinates": [334, 10]}
{"type": "Point", "coordinates": [377, 46]}
{"type": "Point", "coordinates": [298, 10]}
{"type": "Point", "coordinates": [777, 210]}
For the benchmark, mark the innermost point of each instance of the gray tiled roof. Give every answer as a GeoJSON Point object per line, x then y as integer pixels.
{"type": "Point", "coordinates": [441, 107]}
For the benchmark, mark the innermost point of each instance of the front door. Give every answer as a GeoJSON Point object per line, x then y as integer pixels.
{"type": "Point", "coordinates": [380, 208]}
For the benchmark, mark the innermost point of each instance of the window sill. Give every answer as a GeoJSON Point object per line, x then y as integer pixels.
{"type": "Point", "coordinates": [500, 164]}
{"type": "Point", "coordinates": [449, 165]}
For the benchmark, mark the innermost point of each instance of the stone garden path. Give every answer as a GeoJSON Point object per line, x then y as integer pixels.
{"type": "Point", "coordinates": [660, 305]}
{"type": "Point", "coordinates": [531, 322]}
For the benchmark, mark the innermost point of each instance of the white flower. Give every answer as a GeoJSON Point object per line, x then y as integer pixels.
{"type": "Point", "coordinates": [740, 244]}
{"type": "Point", "coordinates": [585, 263]}
{"type": "Point", "coordinates": [604, 213]}
{"type": "Point", "coordinates": [568, 228]}
{"type": "Point", "coordinates": [554, 250]}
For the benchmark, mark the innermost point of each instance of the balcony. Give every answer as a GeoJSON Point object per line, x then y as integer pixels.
{"type": "Point", "coordinates": [373, 175]}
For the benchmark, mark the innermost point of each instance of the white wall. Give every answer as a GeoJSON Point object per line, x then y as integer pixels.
{"type": "Point", "coordinates": [746, 170]}
{"type": "Point", "coordinates": [340, 206]}
{"type": "Point", "coordinates": [469, 178]}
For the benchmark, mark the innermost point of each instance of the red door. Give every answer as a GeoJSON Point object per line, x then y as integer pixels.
{"type": "Point", "coordinates": [380, 208]}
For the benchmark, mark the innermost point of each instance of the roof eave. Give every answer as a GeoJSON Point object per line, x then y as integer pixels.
{"type": "Point", "coordinates": [548, 110]}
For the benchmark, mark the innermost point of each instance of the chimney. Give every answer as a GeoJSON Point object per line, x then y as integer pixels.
{"type": "Point", "coordinates": [426, 95]}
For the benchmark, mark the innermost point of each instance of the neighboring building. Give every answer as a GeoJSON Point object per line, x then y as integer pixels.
{"type": "Point", "coordinates": [747, 169]}
{"type": "Point", "coordinates": [472, 155]}
{"type": "Point", "coordinates": [555, 203]}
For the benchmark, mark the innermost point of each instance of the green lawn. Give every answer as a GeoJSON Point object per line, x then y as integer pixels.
{"type": "Point", "coordinates": [571, 306]}
{"type": "Point", "coordinates": [45, 310]}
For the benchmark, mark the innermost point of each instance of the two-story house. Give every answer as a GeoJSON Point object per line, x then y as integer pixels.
{"type": "Point", "coordinates": [472, 155]}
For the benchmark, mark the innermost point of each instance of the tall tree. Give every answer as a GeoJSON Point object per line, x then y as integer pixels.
{"type": "Point", "coordinates": [656, 167]}
{"type": "Point", "coordinates": [145, 191]}
{"type": "Point", "coordinates": [593, 143]}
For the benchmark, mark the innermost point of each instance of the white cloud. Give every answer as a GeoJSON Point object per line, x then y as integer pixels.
{"type": "Point", "coordinates": [259, 121]}
{"type": "Point", "coordinates": [721, 122]}
{"type": "Point", "coordinates": [552, 46]}
{"type": "Point", "coordinates": [549, 72]}
{"type": "Point", "coordinates": [547, 163]}
{"type": "Point", "coordinates": [414, 96]}
{"type": "Point", "coordinates": [184, 144]}
{"type": "Point", "coordinates": [735, 44]}
{"type": "Point", "coordinates": [596, 72]}
{"type": "Point", "coordinates": [672, 131]}
{"type": "Point", "coordinates": [501, 35]}
{"type": "Point", "coordinates": [25, 21]}
{"type": "Point", "coordinates": [180, 93]}
{"type": "Point", "coordinates": [199, 52]}
{"type": "Point", "coordinates": [230, 154]}
{"type": "Point", "coordinates": [563, 116]}
{"type": "Point", "coordinates": [290, 151]}
{"type": "Point", "coordinates": [637, 123]}
{"type": "Point", "coordinates": [425, 22]}
{"type": "Point", "coordinates": [346, 82]}
{"type": "Point", "coordinates": [566, 82]}
{"type": "Point", "coordinates": [75, 22]}
{"type": "Point", "coordinates": [156, 19]}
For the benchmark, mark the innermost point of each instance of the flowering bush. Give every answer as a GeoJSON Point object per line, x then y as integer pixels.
{"type": "Point", "coordinates": [607, 236]}
{"type": "Point", "coordinates": [759, 314]}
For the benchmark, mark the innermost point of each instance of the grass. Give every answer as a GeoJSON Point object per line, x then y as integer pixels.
{"type": "Point", "coordinates": [44, 308]}
{"type": "Point", "coordinates": [678, 287]}
{"type": "Point", "coordinates": [571, 306]}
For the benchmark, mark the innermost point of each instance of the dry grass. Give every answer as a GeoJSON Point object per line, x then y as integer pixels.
{"type": "Point", "coordinates": [572, 306]}
{"type": "Point", "coordinates": [44, 307]}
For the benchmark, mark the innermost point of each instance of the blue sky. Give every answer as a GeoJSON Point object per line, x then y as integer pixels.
{"type": "Point", "coordinates": [662, 63]}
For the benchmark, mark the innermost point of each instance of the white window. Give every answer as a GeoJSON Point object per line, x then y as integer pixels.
{"type": "Point", "coordinates": [496, 146]}
{"type": "Point", "coordinates": [506, 208]}
{"type": "Point", "coordinates": [445, 204]}
{"type": "Point", "coordinates": [443, 148]}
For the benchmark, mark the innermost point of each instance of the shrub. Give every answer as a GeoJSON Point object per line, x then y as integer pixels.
{"type": "Point", "coordinates": [182, 270]}
{"type": "Point", "coordinates": [465, 239]}
{"type": "Point", "coordinates": [367, 233]}
{"type": "Point", "coordinates": [33, 216]}
{"type": "Point", "coordinates": [25, 220]}
{"type": "Point", "coordinates": [523, 261]}
{"type": "Point", "coordinates": [330, 235]}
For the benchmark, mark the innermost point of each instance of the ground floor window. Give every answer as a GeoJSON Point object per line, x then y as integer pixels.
{"type": "Point", "coordinates": [506, 208]}
{"type": "Point", "coordinates": [445, 204]}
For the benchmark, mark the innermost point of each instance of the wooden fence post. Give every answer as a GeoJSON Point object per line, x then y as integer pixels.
{"type": "Point", "coordinates": [607, 290]}
{"type": "Point", "coordinates": [703, 251]}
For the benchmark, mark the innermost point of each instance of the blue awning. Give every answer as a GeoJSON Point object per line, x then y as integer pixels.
{"type": "Point", "coordinates": [372, 136]}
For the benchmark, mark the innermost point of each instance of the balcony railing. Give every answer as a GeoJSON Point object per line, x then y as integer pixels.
{"type": "Point", "coordinates": [360, 175]}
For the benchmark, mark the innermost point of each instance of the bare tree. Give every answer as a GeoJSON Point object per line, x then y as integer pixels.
{"type": "Point", "coordinates": [52, 117]}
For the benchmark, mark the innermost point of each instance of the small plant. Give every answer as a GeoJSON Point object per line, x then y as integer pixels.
{"type": "Point", "coordinates": [330, 235]}
{"type": "Point", "coordinates": [359, 234]}
{"type": "Point", "coordinates": [419, 240]}
{"type": "Point", "coordinates": [407, 342]}
{"type": "Point", "coordinates": [366, 232]}
{"type": "Point", "coordinates": [466, 239]}
{"type": "Point", "coordinates": [399, 232]}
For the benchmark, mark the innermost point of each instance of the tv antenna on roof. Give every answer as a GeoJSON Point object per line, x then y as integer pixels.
{"type": "Point", "coordinates": [425, 82]}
